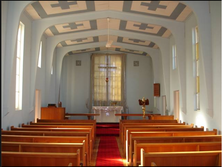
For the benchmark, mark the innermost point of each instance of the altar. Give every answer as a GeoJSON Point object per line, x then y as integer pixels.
{"type": "Point", "coordinates": [107, 113]}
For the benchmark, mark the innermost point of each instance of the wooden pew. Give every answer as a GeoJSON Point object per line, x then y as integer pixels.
{"type": "Point", "coordinates": [39, 159]}
{"type": "Point", "coordinates": [143, 127]}
{"type": "Point", "coordinates": [89, 130]}
{"type": "Point", "coordinates": [170, 139]}
{"type": "Point", "coordinates": [121, 122]}
{"type": "Point", "coordinates": [47, 147]}
{"type": "Point", "coordinates": [129, 130]}
{"type": "Point", "coordinates": [188, 158]}
{"type": "Point", "coordinates": [66, 120]}
{"type": "Point", "coordinates": [70, 122]}
{"type": "Point", "coordinates": [49, 139]}
{"type": "Point", "coordinates": [162, 134]}
{"type": "Point", "coordinates": [162, 117]}
{"type": "Point", "coordinates": [172, 147]}
{"type": "Point", "coordinates": [63, 126]}
{"type": "Point", "coordinates": [124, 124]}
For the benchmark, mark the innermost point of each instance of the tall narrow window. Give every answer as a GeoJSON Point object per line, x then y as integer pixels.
{"type": "Point", "coordinates": [174, 58]}
{"type": "Point", "coordinates": [196, 67]}
{"type": "Point", "coordinates": [19, 66]}
{"type": "Point", "coordinates": [40, 55]}
{"type": "Point", "coordinates": [108, 80]}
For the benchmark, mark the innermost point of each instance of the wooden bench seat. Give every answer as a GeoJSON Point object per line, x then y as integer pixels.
{"type": "Point", "coordinates": [162, 134]}
{"type": "Point", "coordinates": [169, 139]}
{"type": "Point", "coordinates": [162, 117]}
{"type": "Point", "coordinates": [47, 147]}
{"type": "Point", "coordinates": [188, 158]}
{"type": "Point", "coordinates": [129, 130]}
{"type": "Point", "coordinates": [172, 147]}
{"type": "Point", "coordinates": [50, 139]}
{"type": "Point", "coordinates": [39, 159]}
{"type": "Point", "coordinates": [136, 124]}
{"type": "Point", "coordinates": [87, 130]}
{"type": "Point", "coordinates": [66, 120]}
{"type": "Point", "coordinates": [148, 127]}
{"type": "Point", "coordinates": [64, 126]}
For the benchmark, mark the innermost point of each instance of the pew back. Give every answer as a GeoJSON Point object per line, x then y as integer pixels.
{"type": "Point", "coordinates": [40, 159]}
{"type": "Point", "coordinates": [200, 158]}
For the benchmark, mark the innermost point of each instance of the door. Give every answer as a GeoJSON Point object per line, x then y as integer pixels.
{"type": "Point", "coordinates": [164, 104]}
{"type": "Point", "coordinates": [37, 104]}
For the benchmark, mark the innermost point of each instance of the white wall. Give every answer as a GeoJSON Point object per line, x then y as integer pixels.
{"type": "Point", "coordinates": [139, 80]}
{"type": "Point", "coordinates": [201, 117]}
{"type": "Point", "coordinates": [13, 117]}
{"type": "Point", "coordinates": [40, 76]}
{"type": "Point", "coordinates": [75, 83]}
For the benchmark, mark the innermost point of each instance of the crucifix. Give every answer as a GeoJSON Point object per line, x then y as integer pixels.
{"type": "Point", "coordinates": [106, 67]}
{"type": "Point", "coordinates": [144, 102]}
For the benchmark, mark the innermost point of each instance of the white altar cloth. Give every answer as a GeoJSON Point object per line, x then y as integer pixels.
{"type": "Point", "coordinates": [107, 113]}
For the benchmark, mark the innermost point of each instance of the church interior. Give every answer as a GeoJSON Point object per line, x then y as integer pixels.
{"type": "Point", "coordinates": [111, 83]}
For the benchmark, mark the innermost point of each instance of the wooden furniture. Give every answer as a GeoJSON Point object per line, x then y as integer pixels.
{"type": "Point", "coordinates": [52, 113]}
{"type": "Point", "coordinates": [172, 147]}
{"type": "Point", "coordinates": [188, 158]}
{"type": "Point", "coordinates": [89, 115]}
{"type": "Point", "coordinates": [50, 139]}
{"type": "Point", "coordinates": [133, 115]}
{"type": "Point", "coordinates": [156, 88]}
{"type": "Point", "coordinates": [162, 117]}
{"type": "Point", "coordinates": [46, 147]}
{"type": "Point", "coordinates": [39, 159]}
{"type": "Point", "coordinates": [170, 139]}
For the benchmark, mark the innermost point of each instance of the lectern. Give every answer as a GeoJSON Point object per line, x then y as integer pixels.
{"type": "Point", "coordinates": [144, 102]}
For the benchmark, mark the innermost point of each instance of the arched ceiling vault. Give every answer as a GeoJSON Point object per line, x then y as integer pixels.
{"type": "Point", "coordinates": [124, 19]}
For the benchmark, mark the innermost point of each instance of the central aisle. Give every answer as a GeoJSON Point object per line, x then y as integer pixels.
{"type": "Point", "coordinates": [108, 152]}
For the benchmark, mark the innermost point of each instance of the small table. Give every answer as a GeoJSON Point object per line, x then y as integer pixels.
{"type": "Point", "coordinates": [126, 115]}
{"type": "Point", "coordinates": [88, 115]}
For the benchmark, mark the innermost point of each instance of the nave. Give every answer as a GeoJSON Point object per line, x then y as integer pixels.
{"type": "Point", "coordinates": [159, 141]}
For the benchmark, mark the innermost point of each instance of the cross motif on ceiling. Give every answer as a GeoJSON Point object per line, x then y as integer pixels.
{"type": "Point", "coordinates": [130, 50]}
{"type": "Point", "coordinates": [136, 40]}
{"type": "Point", "coordinates": [64, 4]}
{"type": "Point", "coordinates": [79, 40]}
{"type": "Point", "coordinates": [153, 5]}
{"type": "Point", "coordinates": [72, 25]}
{"type": "Point", "coordinates": [142, 26]}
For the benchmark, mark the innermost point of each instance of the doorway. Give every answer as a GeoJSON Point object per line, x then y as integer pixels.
{"type": "Point", "coordinates": [176, 104]}
{"type": "Point", "coordinates": [164, 104]}
{"type": "Point", "coordinates": [37, 104]}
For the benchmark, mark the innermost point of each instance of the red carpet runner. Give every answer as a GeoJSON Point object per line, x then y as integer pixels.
{"type": "Point", "coordinates": [108, 152]}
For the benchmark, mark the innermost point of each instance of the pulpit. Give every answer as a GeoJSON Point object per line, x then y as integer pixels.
{"type": "Point", "coordinates": [107, 113]}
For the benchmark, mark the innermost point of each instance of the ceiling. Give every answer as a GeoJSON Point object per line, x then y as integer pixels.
{"type": "Point", "coordinates": [170, 10]}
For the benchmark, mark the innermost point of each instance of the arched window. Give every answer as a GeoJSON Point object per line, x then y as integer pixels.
{"type": "Point", "coordinates": [19, 66]}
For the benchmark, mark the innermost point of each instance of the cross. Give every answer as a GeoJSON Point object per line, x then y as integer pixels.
{"type": "Point", "coordinates": [78, 40]}
{"type": "Point", "coordinates": [64, 4]}
{"type": "Point", "coordinates": [153, 5]}
{"type": "Point", "coordinates": [107, 66]}
{"type": "Point", "coordinates": [73, 25]}
{"type": "Point", "coordinates": [142, 26]}
{"type": "Point", "coordinates": [136, 40]}
{"type": "Point", "coordinates": [130, 50]}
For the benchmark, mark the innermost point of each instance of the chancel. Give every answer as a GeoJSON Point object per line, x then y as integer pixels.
{"type": "Point", "coordinates": [111, 83]}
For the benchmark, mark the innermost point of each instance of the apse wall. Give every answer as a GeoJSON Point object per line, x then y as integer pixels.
{"type": "Point", "coordinates": [75, 83]}
{"type": "Point", "coordinates": [201, 117]}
